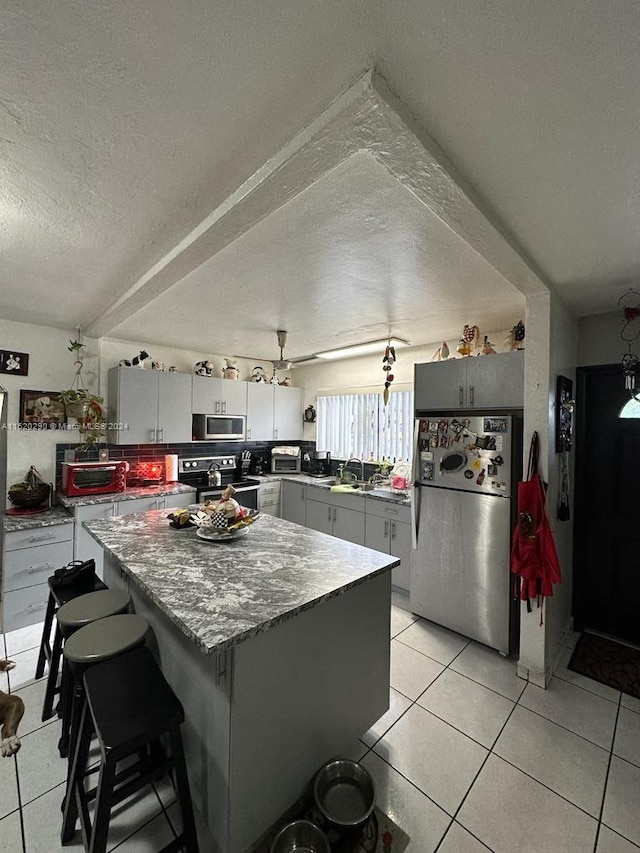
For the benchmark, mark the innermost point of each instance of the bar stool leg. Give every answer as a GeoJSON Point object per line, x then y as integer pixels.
{"type": "Point", "coordinates": [52, 678]}
{"type": "Point", "coordinates": [45, 643]}
{"type": "Point", "coordinates": [190, 838]}
{"type": "Point", "coordinates": [75, 774]}
{"type": "Point", "coordinates": [100, 829]}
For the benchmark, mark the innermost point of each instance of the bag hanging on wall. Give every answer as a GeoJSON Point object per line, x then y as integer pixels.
{"type": "Point", "coordinates": [534, 559]}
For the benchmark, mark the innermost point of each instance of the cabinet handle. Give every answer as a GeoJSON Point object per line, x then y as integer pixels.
{"type": "Point", "coordinates": [33, 608]}
{"type": "Point", "coordinates": [152, 434]}
{"type": "Point", "coordinates": [33, 570]}
{"type": "Point", "coordinates": [471, 390]}
{"type": "Point", "coordinates": [160, 434]}
{"type": "Point", "coordinates": [334, 515]}
{"type": "Point", "coordinates": [329, 515]}
{"type": "Point", "coordinates": [393, 530]}
{"type": "Point", "coordinates": [275, 432]}
{"type": "Point", "coordinates": [45, 538]}
{"type": "Point", "coordinates": [249, 434]}
{"type": "Point", "coordinates": [461, 395]}
{"type": "Point", "coordinates": [224, 407]}
{"type": "Point", "coordinates": [386, 529]}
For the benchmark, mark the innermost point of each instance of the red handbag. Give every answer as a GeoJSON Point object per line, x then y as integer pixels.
{"type": "Point", "coordinates": [534, 558]}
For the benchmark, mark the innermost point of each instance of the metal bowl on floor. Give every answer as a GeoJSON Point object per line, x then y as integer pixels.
{"type": "Point", "coordinates": [300, 836]}
{"type": "Point", "coordinates": [345, 793]}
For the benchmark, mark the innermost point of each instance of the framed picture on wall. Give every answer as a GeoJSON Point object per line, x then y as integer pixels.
{"type": "Point", "coordinates": [41, 409]}
{"type": "Point", "coordinates": [14, 362]}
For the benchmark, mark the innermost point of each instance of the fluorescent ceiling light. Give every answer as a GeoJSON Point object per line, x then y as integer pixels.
{"type": "Point", "coordinates": [362, 349]}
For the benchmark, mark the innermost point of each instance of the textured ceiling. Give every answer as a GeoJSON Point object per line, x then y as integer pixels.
{"type": "Point", "coordinates": [123, 126]}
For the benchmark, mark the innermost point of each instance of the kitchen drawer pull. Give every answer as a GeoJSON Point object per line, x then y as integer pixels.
{"type": "Point", "coordinates": [33, 608]}
{"type": "Point", "coordinates": [33, 570]}
{"type": "Point", "coordinates": [46, 538]}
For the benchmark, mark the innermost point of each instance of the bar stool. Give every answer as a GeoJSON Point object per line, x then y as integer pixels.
{"type": "Point", "coordinates": [59, 594]}
{"type": "Point", "coordinates": [78, 613]}
{"type": "Point", "coordinates": [130, 706]}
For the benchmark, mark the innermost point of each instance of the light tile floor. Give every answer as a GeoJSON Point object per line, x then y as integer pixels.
{"type": "Point", "coordinates": [468, 759]}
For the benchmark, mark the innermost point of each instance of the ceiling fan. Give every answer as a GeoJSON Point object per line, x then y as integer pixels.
{"type": "Point", "coordinates": [281, 364]}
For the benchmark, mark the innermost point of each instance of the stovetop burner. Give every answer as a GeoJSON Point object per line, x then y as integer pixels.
{"type": "Point", "coordinates": [194, 471]}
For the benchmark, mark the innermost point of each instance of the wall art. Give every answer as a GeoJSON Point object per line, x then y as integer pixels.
{"type": "Point", "coordinates": [41, 410]}
{"type": "Point", "coordinates": [14, 362]}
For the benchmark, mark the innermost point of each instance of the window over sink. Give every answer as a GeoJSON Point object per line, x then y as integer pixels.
{"type": "Point", "coordinates": [361, 425]}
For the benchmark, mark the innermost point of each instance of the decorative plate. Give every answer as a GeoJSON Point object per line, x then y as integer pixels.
{"type": "Point", "coordinates": [222, 535]}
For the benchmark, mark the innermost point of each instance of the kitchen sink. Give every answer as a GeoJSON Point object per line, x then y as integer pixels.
{"type": "Point", "coordinates": [384, 493]}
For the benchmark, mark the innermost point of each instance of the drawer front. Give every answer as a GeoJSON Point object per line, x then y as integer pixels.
{"type": "Point", "coordinates": [270, 492]}
{"type": "Point", "coordinates": [388, 509]}
{"type": "Point", "coordinates": [33, 566]}
{"type": "Point", "coordinates": [24, 607]}
{"type": "Point", "coordinates": [176, 501]}
{"type": "Point", "coordinates": [137, 505]}
{"type": "Point", "coordinates": [38, 536]}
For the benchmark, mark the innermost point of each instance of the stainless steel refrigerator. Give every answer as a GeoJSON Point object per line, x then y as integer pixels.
{"type": "Point", "coordinates": [466, 469]}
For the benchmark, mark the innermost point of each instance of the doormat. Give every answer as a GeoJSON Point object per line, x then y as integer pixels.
{"type": "Point", "coordinates": [379, 835]}
{"type": "Point", "coordinates": [608, 662]}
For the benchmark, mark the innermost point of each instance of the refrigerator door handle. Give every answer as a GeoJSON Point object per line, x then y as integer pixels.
{"type": "Point", "coordinates": [414, 493]}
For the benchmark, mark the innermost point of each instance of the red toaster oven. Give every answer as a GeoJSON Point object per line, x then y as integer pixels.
{"type": "Point", "coordinates": [93, 478]}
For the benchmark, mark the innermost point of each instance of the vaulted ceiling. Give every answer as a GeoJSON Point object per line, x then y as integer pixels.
{"type": "Point", "coordinates": [166, 177]}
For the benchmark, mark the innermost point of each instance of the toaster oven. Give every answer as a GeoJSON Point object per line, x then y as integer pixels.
{"type": "Point", "coordinates": [285, 463]}
{"type": "Point", "coordinates": [93, 478]}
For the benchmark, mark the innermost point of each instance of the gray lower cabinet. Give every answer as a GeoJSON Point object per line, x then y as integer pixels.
{"type": "Point", "coordinates": [328, 513]}
{"type": "Point", "coordinates": [486, 382]}
{"type": "Point", "coordinates": [293, 502]}
{"type": "Point", "coordinates": [86, 547]}
{"type": "Point", "coordinates": [269, 497]}
{"type": "Point", "coordinates": [388, 529]}
{"type": "Point", "coordinates": [31, 557]}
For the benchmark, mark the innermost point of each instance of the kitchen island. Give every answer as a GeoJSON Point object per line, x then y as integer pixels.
{"type": "Point", "coordinates": [277, 644]}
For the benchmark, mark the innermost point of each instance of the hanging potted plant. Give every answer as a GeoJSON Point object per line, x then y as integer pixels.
{"type": "Point", "coordinates": [81, 405]}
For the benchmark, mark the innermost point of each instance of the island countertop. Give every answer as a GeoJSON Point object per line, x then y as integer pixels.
{"type": "Point", "coordinates": [221, 593]}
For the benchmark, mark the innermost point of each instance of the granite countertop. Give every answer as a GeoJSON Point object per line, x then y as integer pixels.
{"type": "Point", "coordinates": [222, 593]}
{"type": "Point", "coordinates": [48, 518]}
{"type": "Point", "coordinates": [127, 495]}
{"type": "Point", "coordinates": [319, 484]}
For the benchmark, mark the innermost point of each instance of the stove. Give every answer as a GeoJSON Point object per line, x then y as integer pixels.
{"type": "Point", "coordinates": [194, 471]}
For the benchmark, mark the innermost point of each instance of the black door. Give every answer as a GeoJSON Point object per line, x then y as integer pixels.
{"type": "Point", "coordinates": [607, 511]}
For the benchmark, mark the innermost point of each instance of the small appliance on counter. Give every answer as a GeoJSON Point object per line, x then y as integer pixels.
{"type": "Point", "coordinates": [148, 472]}
{"type": "Point", "coordinates": [93, 478]}
{"type": "Point", "coordinates": [320, 464]}
{"type": "Point", "coordinates": [286, 460]}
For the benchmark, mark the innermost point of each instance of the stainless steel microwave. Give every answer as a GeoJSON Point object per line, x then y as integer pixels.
{"type": "Point", "coordinates": [219, 428]}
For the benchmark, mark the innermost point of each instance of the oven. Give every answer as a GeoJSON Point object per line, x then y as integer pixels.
{"type": "Point", "coordinates": [194, 471]}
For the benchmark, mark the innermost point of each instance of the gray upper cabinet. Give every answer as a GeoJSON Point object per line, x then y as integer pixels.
{"type": "Point", "coordinates": [287, 417]}
{"type": "Point", "coordinates": [274, 412]}
{"type": "Point", "coordinates": [483, 382]}
{"type": "Point", "coordinates": [148, 406]}
{"type": "Point", "coordinates": [211, 396]}
{"type": "Point", "coordinates": [260, 411]}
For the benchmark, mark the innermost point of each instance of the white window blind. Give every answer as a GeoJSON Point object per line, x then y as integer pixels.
{"type": "Point", "coordinates": [361, 425]}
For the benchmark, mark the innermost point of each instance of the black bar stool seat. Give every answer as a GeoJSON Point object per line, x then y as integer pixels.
{"type": "Point", "coordinates": [130, 706]}
{"type": "Point", "coordinates": [59, 594]}
{"type": "Point", "coordinates": [77, 614]}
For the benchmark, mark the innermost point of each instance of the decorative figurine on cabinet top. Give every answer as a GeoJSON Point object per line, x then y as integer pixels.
{"type": "Point", "coordinates": [470, 339]}
{"type": "Point", "coordinates": [515, 338]}
{"type": "Point", "coordinates": [258, 374]}
{"type": "Point", "coordinates": [203, 368]}
{"type": "Point", "coordinates": [136, 361]}
{"type": "Point", "coordinates": [230, 369]}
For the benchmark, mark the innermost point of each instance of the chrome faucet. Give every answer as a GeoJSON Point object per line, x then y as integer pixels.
{"type": "Point", "coordinates": [359, 461]}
